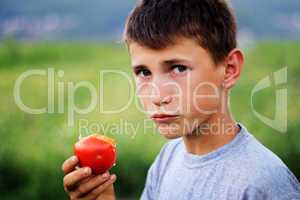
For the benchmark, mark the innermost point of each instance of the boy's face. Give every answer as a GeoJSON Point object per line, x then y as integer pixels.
{"type": "Point", "coordinates": [180, 80]}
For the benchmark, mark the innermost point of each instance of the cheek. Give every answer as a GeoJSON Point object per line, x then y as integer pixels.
{"type": "Point", "coordinates": [204, 91]}
{"type": "Point", "coordinates": [204, 98]}
{"type": "Point", "coordinates": [144, 95]}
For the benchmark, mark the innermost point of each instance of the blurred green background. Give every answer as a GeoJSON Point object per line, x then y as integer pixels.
{"type": "Point", "coordinates": [33, 147]}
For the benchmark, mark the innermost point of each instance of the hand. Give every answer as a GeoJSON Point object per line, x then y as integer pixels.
{"type": "Point", "coordinates": [81, 184]}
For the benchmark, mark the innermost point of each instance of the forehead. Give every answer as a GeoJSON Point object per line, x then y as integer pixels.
{"type": "Point", "coordinates": [182, 49]}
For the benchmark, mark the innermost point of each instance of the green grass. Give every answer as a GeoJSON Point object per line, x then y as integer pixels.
{"type": "Point", "coordinates": [33, 147]}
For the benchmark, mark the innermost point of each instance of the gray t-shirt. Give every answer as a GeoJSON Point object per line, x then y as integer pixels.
{"type": "Point", "coordinates": [243, 169]}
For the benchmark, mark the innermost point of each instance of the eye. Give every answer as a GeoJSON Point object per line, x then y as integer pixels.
{"type": "Point", "coordinates": [142, 72]}
{"type": "Point", "coordinates": [177, 69]}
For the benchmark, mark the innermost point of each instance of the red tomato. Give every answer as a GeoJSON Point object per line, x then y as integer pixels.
{"type": "Point", "coordinates": [97, 152]}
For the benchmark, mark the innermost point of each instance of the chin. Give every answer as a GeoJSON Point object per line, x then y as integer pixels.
{"type": "Point", "coordinates": [169, 134]}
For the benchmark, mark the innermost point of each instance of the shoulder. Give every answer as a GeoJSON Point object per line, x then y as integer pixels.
{"type": "Point", "coordinates": [168, 150]}
{"type": "Point", "coordinates": [272, 177]}
{"type": "Point", "coordinates": [165, 155]}
{"type": "Point", "coordinates": [272, 182]}
{"type": "Point", "coordinates": [161, 162]}
{"type": "Point", "coordinates": [262, 172]}
{"type": "Point", "coordinates": [254, 157]}
{"type": "Point", "coordinates": [171, 146]}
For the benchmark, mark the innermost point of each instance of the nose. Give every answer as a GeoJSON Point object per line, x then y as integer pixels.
{"type": "Point", "coordinates": [161, 100]}
{"type": "Point", "coordinates": [161, 92]}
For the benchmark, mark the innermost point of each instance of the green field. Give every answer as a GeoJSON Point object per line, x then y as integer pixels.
{"type": "Point", "coordinates": [33, 147]}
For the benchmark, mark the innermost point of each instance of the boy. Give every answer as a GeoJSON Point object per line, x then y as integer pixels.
{"type": "Point", "coordinates": [185, 61]}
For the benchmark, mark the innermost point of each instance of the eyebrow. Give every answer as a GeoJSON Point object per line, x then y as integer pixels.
{"type": "Point", "coordinates": [173, 61]}
{"type": "Point", "coordinates": [166, 62]}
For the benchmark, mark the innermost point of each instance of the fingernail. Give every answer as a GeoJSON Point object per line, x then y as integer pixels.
{"type": "Point", "coordinates": [105, 175]}
{"type": "Point", "coordinates": [87, 170]}
{"type": "Point", "coordinates": [112, 177]}
{"type": "Point", "coordinates": [74, 158]}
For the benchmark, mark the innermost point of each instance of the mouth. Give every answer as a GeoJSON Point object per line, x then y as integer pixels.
{"type": "Point", "coordinates": [164, 118]}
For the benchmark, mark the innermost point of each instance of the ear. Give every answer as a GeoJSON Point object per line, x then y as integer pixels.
{"type": "Point", "coordinates": [233, 67]}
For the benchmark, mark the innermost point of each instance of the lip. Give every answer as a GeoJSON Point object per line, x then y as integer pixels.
{"type": "Point", "coordinates": [163, 118]}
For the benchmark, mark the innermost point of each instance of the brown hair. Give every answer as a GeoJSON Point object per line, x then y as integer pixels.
{"type": "Point", "coordinates": [156, 24]}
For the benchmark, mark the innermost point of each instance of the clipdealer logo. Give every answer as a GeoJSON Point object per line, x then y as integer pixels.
{"type": "Point", "coordinates": [56, 95]}
{"type": "Point", "coordinates": [277, 81]}
{"type": "Point", "coordinates": [56, 90]}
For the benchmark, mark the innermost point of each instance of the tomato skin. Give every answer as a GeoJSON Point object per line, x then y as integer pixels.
{"type": "Point", "coordinates": [97, 152]}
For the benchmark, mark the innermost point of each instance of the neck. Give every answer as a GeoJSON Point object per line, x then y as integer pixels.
{"type": "Point", "coordinates": [218, 130]}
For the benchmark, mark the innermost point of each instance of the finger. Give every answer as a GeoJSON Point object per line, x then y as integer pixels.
{"type": "Point", "coordinates": [70, 164]}
{"type": "Point", "coordinates": [85, 180]}
{"type": "Point", "coordinates": [73, 178]}
{"type": "Point", "coordinates": [98, 190]}
{"type": "Point", "coordinates": [72, 188]}
{"type": "Point", "coordinates": [91, 184]}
